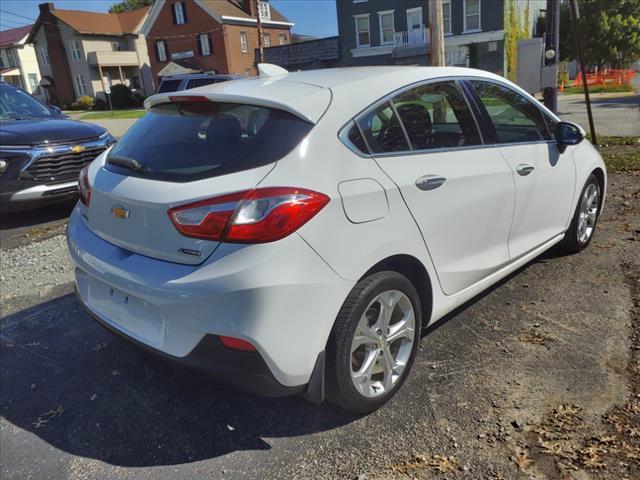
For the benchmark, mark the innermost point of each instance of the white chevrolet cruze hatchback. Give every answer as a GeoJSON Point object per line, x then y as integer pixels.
{"type": "Point", "coordinates": [295, 233]}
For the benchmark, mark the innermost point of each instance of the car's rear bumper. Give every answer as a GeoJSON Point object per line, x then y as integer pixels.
{"type": "Point", "coordinates": [246, 370]}
{"type": "Point", "coordinates": [281, 297]}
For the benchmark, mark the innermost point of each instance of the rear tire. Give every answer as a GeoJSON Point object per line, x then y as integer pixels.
{"type": "Point", "coordinates": [373, 342]}
{"type": "Point", "coordinates": [583, 226]}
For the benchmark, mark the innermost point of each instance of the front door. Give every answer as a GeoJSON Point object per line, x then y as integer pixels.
{"type": "Point", "coordinates": [544, 178]}
{"type": "Point", "coordinates": [414, 26]}
{"type": "Point", "coordinates": [461, 197]}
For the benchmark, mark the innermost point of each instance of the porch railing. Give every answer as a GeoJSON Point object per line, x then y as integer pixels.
{"type": "Point", "coordinates": [412, 38]}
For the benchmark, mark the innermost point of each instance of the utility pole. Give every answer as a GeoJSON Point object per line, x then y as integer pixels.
{"type": "Point", "coordinates": [575, 17]}
{"type": "Point", "coordinates": [552, 50]}
{"type": "Point", "coordinates": [260, 35]}
{"type": "Point", "coordinates": [436, 33]}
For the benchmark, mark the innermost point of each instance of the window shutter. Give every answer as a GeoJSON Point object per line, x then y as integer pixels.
{"type": "Point", "coordinates": [184, 11]}
{"type": "Point", "coordinates": [173, 13]}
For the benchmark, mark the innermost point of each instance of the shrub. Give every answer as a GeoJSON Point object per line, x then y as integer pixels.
{"type": "Point", "coordinates": [138, 99]}
{"type": "Point", "coordinates": [84, 102]}
{"type": "Point", "coordinates": [121, 96]}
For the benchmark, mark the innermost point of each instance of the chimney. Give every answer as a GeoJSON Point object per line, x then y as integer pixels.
{"type": "Point", "coordinates": [46, 7]}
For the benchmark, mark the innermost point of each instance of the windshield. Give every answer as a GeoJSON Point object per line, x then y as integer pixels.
{"type": "Point", "coordinates": [182, 142]}
{"type": "Point", "coordinates": [18, 105]}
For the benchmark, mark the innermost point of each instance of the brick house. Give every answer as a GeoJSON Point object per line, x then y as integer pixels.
{"type": "Point", "coordinates": [217, 36]}
{"type": "Point", "coordinates": [79, 51]}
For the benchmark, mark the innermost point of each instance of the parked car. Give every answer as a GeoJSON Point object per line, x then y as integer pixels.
{"type": "Point", "coordinates": [41, 150]}
{"type": "Point", "coordinates": [297, 235]}
{"type": "Point", "coordinates": [176, 83]}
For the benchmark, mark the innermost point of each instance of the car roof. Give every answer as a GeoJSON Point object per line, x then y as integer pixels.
{"type": "Point", "coordinates": [183, 76]}
{"type": "Point", "coordinates": [308, 93]}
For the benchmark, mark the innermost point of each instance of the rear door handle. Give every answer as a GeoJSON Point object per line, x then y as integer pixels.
{"type": "Point", "coordinates": [524, 169]}
{"type": "Point", "coordinates": [430, 182]}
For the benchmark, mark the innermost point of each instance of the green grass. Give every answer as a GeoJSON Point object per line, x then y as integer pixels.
{"type": "Point", "coordinates": [621, 154]}
{"type": "Point", "coordinates": [116, 114]}
{"type": "Point", "coordinates": [599, 89]}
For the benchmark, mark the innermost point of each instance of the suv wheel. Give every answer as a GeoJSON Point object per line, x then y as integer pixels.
{"type": "Point", "coordinates": [373, 342]}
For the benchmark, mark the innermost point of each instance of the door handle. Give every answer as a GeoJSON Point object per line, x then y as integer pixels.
{"type": "Point", "coordinates": [524, 169]}
{"type": "Point", "coordinates": [430, 182]}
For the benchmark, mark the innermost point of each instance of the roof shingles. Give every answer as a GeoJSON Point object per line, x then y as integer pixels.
{"type": "Point", "coordinates": [102, 23]}
{"type": "Point", "coordinates": [14, 35]}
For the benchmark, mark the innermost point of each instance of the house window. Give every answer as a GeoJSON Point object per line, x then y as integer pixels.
{"type": "Point", "coordinates": [205, 44]}
{"type": "Point", "coordinates": [283, 38]}
{"type": "Point", "coordinates": [244, 42]}
{"type": "Point", "coordinates": [446, 16]}
{"type": "Point", "coordinates": [387, 29]}
{"type": "Point", "coordinates": [136, 82]}
{"type": "Point", "coordinates": [362, 30]}
{"type": "Point", "coordinates": [76, 54]}
{"type": "Point", "coordinates": [179, 17]}
{"type": "Point", "coordinates": [161, 51]}
{"type": "Point", "coordinates": [471, 15]}
{"type": "Point", "coordinates": [115, 46]}
{"type": "Point", "coordinates": [264, 10]}
{"type": "Point", "coordinates": [44, 55]}
{"type": "Point", "coordinates": [11, 59]}
{"type": "Point", "coordinates": [267, 40]}
{"type": "Point", "coordinates": [33, 83]}
{"type": "Point", "coordinates": [81, 86]}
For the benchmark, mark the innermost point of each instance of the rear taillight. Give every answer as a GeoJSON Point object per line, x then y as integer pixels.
{"type": "Point", "coordinates": [252, 216]}
{"type": "Point", "coordinates": [236, 344]}
{"type": "Point", "coordinates": [84, 187]}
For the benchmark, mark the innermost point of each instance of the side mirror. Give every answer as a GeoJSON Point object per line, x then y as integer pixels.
{"type": "Point", "coordinates": [568, 133]}
{"type": "Point", "coordinates": [55, 110]}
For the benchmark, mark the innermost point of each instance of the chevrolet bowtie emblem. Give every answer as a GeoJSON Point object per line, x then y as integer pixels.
{"type": "Point", "coordinates": [78, 148]}
{"type": "Point", "coordinates": [120, 212]}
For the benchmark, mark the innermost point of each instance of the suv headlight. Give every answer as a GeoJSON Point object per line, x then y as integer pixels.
{"type": "Point", "coordinates": [3, 165]}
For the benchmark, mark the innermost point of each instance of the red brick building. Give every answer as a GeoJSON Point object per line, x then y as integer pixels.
{"type": "Point", "coordinates": [210, 35]}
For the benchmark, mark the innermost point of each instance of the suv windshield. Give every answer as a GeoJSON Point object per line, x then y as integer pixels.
{"type": "Point", "coordinates": [18, 105]}
{"type": "Point", "coordinates": [182, 142]}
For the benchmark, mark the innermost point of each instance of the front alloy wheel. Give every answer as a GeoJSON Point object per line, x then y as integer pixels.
{"type": "Point", "coordinates": [373, 342]}
{"type": "Point", "coordinates": [583, 224]}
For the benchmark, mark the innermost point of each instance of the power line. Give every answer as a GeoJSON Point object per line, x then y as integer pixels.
{"type": "Point", "coordinates": [17, 15]}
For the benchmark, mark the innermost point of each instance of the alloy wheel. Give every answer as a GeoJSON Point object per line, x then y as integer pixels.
{"type": "Point", "coordinates": [588, 212]}
{"type": "Point", "coordinates": [382, 343]}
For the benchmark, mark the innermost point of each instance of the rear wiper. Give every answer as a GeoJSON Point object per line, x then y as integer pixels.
{"type": "Point", "coordinates": [127, 162]}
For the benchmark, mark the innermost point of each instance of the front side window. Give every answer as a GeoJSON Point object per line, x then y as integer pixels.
{"type": "Point", "coordinates": [81, 86]}
{"type": "Point", "coordinates": [183, 142]}
{"type": "Point", "coordinates": [515, 118]}
{"type": "Point", "coordinates": [446, 16]}
{"type": "Point", "coordinates": [436, 115]}
{"type": "Point", "coordinates": [244, 42]}
{"type": "Point", "coordinates": [471, 15]}
{"type": "Point", "coordinates": [205, 44]}
{"type": "Point", "coordinates": [387, 29]}
{"type": "Point", "coordinates": [382, 130]}
{"type": "Point", "coordinates": [179, 17]}
{"type": "Point", "coordinates": [161, 51]}
{"type": "Point", "coordinates": [362, 31]}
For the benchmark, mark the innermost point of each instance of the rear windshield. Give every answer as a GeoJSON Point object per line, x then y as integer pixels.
{"type": "Point", "coordinates": [169, 86]}
{"type": "Point", "coordinates": [182, 142]}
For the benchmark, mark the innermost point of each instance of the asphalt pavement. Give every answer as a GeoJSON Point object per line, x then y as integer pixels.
{"type": "Point", "coordinates": [555, 341]}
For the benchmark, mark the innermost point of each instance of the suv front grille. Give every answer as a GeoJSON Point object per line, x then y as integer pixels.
{"type": "Point", "coordinates": [62, 166]}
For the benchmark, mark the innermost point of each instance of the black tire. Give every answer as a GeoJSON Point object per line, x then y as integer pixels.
{"type": "Point", "coordinates": [340, 388]}
{"type": "Point", "coordinates": [572, 242]}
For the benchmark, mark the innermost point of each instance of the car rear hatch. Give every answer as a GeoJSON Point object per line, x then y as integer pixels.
{"type": "Point", "coordinates": [189, 148]}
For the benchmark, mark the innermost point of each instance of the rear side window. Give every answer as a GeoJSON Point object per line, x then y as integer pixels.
{"type": "Point", "coordinates": [182, 142]}
{"type": "Point", "coordinates": [515, 118]}
{"type": "Point", "coordinates": [200, 82]}
{"type": "Point", "coordinates": [382, 130]}
{"type": "Point", "coordinates": [436, 115]}
{"type": "Point", "coordinates": [169, 86]}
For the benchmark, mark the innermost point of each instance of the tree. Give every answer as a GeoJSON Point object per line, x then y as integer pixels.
{"type": "Point", "coordinates": [610, 32]}
{"type": "Point", "coordinates": [129, 5]}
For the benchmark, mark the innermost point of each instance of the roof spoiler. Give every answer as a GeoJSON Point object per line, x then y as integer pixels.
{"type": "Point", "coordinates": [271, 70]}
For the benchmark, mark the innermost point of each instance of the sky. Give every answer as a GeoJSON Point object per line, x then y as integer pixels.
{"type": "Point", "coordinates": [311, 17]}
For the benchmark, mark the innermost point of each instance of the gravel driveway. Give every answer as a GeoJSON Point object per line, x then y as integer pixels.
{"type": "Point", "coordinates": [537, 378]}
